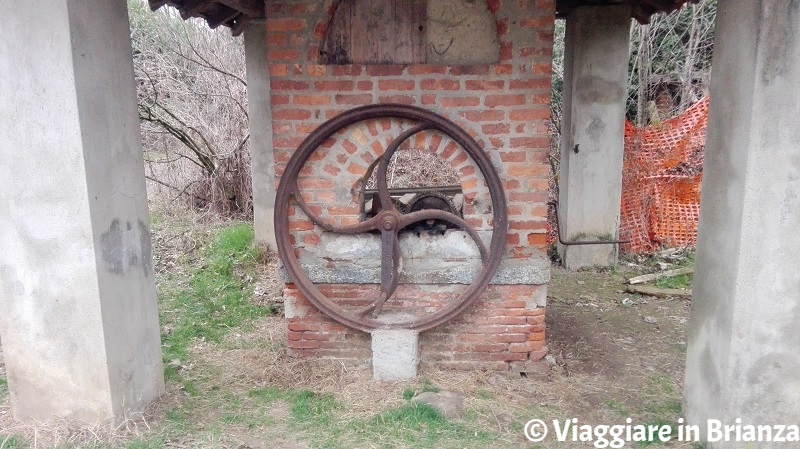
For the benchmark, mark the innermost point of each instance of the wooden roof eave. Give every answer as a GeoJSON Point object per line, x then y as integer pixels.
{"type": "Point", "coordinates": [641, 10]}
{"type": "Point", "coordinates": [234, 14]}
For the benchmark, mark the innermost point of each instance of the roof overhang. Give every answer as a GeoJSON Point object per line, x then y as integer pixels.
{"type": "Point", "coordinates": [235, 14]}
{"type": "Point", "coordinates": [641, 10]}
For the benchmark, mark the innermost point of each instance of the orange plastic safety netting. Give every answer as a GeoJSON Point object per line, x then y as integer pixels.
{"type": "Point", "coordinates": [662, 174]}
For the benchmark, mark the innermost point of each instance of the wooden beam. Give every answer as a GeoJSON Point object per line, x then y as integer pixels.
{"type": "Point", "coordinates": [232, 13]}
{"type": "Point", "coordinates": [658, 292]}
{"type": "Point", "coordinates": [238, 25]}
{"type": "Point", "coordinates": [155, 4]}
{"type": "Point", "coordinates": [222, 15]}
{"type": "Point", "coordinates": [639, 13]}
{"type": "Point", "coordinates": [251, 8]}
{"type": "Point", "coordinates": [641, 9]}
{"type": "Point", "coordinates": [655, 276]}
{"type": "Point", "coordinates": [193, 8]}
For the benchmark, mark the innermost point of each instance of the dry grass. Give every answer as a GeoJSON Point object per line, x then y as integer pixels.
{"type": "Point", "coordinates": [71, 433]}
{"type": "Point", "coordinates": [244, 391]}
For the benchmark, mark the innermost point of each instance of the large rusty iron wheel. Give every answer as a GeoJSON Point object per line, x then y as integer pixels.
{"type": "Point", "coordinates": [389, 221]}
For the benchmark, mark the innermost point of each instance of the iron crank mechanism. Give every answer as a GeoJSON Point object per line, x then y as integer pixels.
{"type": "Point", "coordinates": [389, 221]}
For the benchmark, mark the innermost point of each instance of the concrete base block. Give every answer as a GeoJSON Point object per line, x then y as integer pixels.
{"type": "Point", "coordinates": [582, 256]}
{"type": "Point", "coordinates": [395, 354]}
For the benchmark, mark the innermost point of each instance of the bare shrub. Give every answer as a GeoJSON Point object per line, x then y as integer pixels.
{"type": "Point", "coordinates": [669, 71]}
{"type": "Point", "coordinates": [192, 99]}
{"type": "Point", "coordinates": [416, 167]}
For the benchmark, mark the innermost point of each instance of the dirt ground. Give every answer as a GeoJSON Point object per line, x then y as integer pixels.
{"type": "Point", "coordinates": [619, 352]}
{"type": "Point", "coordinates": [615, 355]}
{"type": "Point", "coordinates": [611, 364]}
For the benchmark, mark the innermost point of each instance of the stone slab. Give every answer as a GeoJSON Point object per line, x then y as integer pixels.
{"type": "Point", "coordinates": [447, 259]}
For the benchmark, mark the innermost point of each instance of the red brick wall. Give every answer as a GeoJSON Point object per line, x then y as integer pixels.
{"type": "Point", "coordinates": [504, 106]}
{"type": "Point", "coordinates": [501, 328]}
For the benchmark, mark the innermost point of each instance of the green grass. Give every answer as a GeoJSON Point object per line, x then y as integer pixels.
{"type": "Point", "coordinates": [415, 425]}
{"type": "Point", "coordinates": [426, 387]}
{"type": "Point", "coordinates": [11, 442]}
{"type": "Point", "coordinates": [216, 299]}
{"type": "Point", "coordinates": [309, 407]}
{"type": "Point", "coordinates": [484, 395]}
{"type": "Point", "coordinates": [325, 423]}
{"type": "Point", "coordinates": [206, 294]}
{"type": "Point", "coordinates": [6, 441]}
{"type": "Point", "coordinates": [663, 408]}
{"type": "Point", "coordinates": [151, 443]}
{"type": "Point", "coordinates": [666, 401]}
{"type": "Point", "coordinates": [681, 281]}
{"type": "Point", "coordinates": [618, 408]}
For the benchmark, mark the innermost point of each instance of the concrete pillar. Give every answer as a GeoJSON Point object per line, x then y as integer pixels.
{"type": "Point", "coordinates": [742, 357]}
{"type": "Point", "coordinates": [593, 125]}
{"type": "Point", "coordinates": [78, 316]}
{"type": "Point", "coordinates": [260, 115]}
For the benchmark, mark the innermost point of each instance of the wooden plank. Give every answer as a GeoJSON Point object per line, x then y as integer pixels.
{"type": "Point", "coordinates": [221, 14]}
{"type": "Point", "coordinates": [658, 292]}
{"type": "Point", "coordinates": [338, 41]}
{"type": "Point", "coordinates": [410, 16]}
{"type": "Point", "coordinates": [402, 42]}
{"type": "Point", "coordinates": [155, 4]}
{"type": "Point", "coordinates": [192, 8]}
{"type": "Point", "coordinates": [385, 31]}
{"type": "Point", "coordinates": [383, 28]}
{"type": "Point", "coordinates": [419, 41]}
{"type": "Point", "coordinates": [238, 25]}
{"type": "Point", "coordinates": [654, 276]}
{"type": "Point", "coordinates": [358, 41]}
{"type": "Point", "coordinates": [364, 42]}
{"type": "Point", "coordinates": [253, 8]}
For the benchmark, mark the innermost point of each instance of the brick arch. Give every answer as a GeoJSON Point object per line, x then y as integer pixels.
{"type": "Point", "coordinates": [330, 181]}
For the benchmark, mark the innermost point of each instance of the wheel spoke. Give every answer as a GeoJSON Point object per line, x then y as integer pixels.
{"type": "Point", "coordinates": [436, 214]}
{"type": "Point", "coordinates": [388, 220]}
{"type": "Point", "coordinates": [390, 268]}
{"type": "Point", "coordinates": [364, 226]}
{"type": "Point", "coordinates": [383, 167]}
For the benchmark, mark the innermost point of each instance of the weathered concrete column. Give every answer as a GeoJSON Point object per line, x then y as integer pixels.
{"type": "Point", "coordinates": [742, 359]}
{"type": "Point", "coordinates": [593, 125]}
{"type": "Point", "coordinates": [78, 314]}
{"type": "Point", "coordinates": [260, 114]}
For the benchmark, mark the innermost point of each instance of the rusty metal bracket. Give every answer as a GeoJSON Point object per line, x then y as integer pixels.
{"type": "Point", "coordinates": [574, 242]}
{"type": "Point", "coordinates": [389, 221]}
